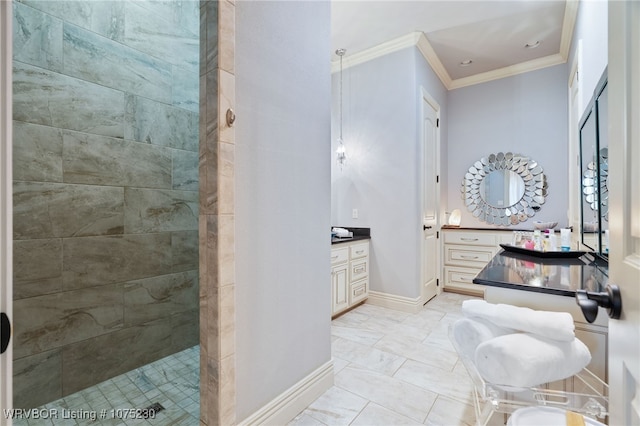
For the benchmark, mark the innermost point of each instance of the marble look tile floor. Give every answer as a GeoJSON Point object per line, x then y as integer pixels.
{"type": "Point", "coordinates": [391, 368]}
{"type": "Point", "coordinates": [172, 381]}
{"type": "Point", "coordinates": [396, 368]}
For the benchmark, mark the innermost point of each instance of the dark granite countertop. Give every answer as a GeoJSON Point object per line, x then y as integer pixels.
{"type": "Point", "coordinates": [544, 275]}
{"type": "Point", "coordinates": [348, 240]}
{"type": "Point", "coordinates": [358, 234]}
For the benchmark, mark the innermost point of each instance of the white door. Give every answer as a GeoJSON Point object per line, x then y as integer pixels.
{"type": "Point", "coordinates": [6, 233]}
{"type": "Point", "coordinates": [624, 210]}
{"type": "Point", "coordinates": [430, 197]}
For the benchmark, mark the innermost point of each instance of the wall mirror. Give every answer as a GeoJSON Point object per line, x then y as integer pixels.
{"type": "Point", "coordinates": [504, 189]}
{"type": "Point", "coordinates": [594, 171]}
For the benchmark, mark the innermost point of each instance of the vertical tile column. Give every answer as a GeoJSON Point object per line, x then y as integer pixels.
{"type": "Point", "coordinates": [216, 221]}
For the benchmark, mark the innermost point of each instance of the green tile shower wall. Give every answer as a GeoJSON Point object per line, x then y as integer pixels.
{"type": "Point", "coordinates": [105, 190]}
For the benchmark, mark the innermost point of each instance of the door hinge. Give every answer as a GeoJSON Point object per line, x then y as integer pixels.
{"type": "Point", "coordinates": [437, 234]}
{"type": "Point", "coordinates": [437, 178]}
{"type": "Point", "coordinates": [437, 282]}
{"type": "Point", "coordinates": [437, 122]}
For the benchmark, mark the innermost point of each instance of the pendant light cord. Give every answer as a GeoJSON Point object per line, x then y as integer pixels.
{"type": "Point", "coordinates": [342, 53]}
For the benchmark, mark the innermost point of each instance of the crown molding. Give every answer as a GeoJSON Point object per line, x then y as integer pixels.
{"type": "Point", "coordinates": [434, 61]}
{"type": "Point", "coordinates": [419, 40]}
{"type": "Point", "coordinates": [383, 49]}
{"type": "Point", "coordinates": [509, 71]}
{"type": "Point", "coordinates": [568, 25]}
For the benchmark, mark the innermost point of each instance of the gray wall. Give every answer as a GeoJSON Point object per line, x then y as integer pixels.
{"type": "Point", "coordinates": [105, 190]}
{"type": "Point", "coordinates": [525, 114]}
{"type": "Point", "coordinates": [283, 292]}
{"type": "Point", "coordinates": [381, 130]}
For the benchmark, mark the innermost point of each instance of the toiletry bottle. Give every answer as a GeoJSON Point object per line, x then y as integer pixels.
{"type": "Point", "coordinates": [553, 242]}
{"type": "Point", "coordinates": [537, 240]}
{"type": "Point", "coordinates": [565, 239]}
{"type": "Point", "coordinates": [546, 243]}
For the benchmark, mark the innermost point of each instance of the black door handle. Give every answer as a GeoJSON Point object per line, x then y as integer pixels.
{"type": "Point", "coordinates": [609, 299]}
{"type": "Point", "coordinates": [5, 332]}
{"type": "Point", "coordinates": [425, 227]}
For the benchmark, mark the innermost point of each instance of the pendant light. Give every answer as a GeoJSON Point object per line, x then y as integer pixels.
{"type": "Point", "coordinates": [341, 155]}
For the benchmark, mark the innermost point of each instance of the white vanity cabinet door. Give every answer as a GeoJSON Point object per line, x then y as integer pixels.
{"type": "Point", "coordinates": [349, 275]}
{"type": "Point", "coordinates": [339, 288]}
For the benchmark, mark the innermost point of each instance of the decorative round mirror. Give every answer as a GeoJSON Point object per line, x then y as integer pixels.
{"type": "Point", "coordinates": [590, 184]}
{"type": "Point", "coordinates": [504, 189]}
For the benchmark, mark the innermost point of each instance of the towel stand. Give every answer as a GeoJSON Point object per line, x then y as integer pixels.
{"type": "Point", "coordinates": [584, 393]}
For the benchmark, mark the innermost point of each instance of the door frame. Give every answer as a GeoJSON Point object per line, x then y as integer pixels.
{"type": "Point", "coordinates": [573, 166]}
{"type": "Point", "coordinates": [425, 97]}
{"type": "Point", "coordinates": [6, 200]}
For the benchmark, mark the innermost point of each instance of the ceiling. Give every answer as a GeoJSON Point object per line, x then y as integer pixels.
{"type": "Point", "coordinates": [491, 34]}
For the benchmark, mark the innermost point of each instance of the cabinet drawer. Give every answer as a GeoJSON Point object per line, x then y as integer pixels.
{"type": "Point", "coordinates": [470, 238]}
{"type": "Point", "coordinates": [460, 276]}
{"type": "Point", "coordinates": [359, 291]}
{"type": "Point", "coordinates": [359, 269]}
{"type": "Point", "coordinates": [359, 250]}
{"type": "Point", "coordinates": [340, 255]}
{"type": "Point", "coordinates": [468, 257]}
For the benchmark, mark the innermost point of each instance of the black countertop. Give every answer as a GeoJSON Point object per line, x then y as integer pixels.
{"type": "Point", "coordinates": [336, 240]}
{"type": "Point", "coordinates": [358, 234]}
{"type": "Point", "coordinates": [544, 275]}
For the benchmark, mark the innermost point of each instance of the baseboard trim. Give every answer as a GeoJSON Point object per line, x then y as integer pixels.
{"type": "Point", "coordinates": [291, 402]}
{"type": "Point", "coordinates": [399, 303]}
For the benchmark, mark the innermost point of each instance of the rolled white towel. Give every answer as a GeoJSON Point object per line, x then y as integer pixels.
{"type": "Point", "coordinates": [468, 333]}
{"type": "Point", "coordinates": [524, 360]}
{"type": "Point", "coordinates": [552, 325]}
{"type": "Point", "coordinates": [341, 232]}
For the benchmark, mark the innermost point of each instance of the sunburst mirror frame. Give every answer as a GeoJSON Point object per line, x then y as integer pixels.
{"type": "Point", "coordinates": [590, 183]}
{"type": "Point", "coordinates": [535, 189]}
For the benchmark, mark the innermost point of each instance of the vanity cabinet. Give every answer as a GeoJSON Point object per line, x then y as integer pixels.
{"type": "Point", "coordinates": [465, 252]}
{"type": "Point", "coordinates": [349, 275]}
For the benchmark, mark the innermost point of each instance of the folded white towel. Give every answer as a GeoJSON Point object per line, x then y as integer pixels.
{"type": "Point", "coordinates": [468, 333]}
{"type": "Point", "coordinates": [524, 360]}
{"type": "Point", "coordinates": [341, 232]}
{"type": "Point", "coordinates": [552, 325]}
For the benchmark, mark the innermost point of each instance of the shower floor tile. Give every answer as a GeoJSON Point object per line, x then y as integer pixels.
{"type": "Point", "coordinates": [173, 382]}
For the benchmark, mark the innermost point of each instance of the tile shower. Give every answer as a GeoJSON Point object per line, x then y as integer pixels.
{"type": "Point", "coordinates": [105, 190]}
